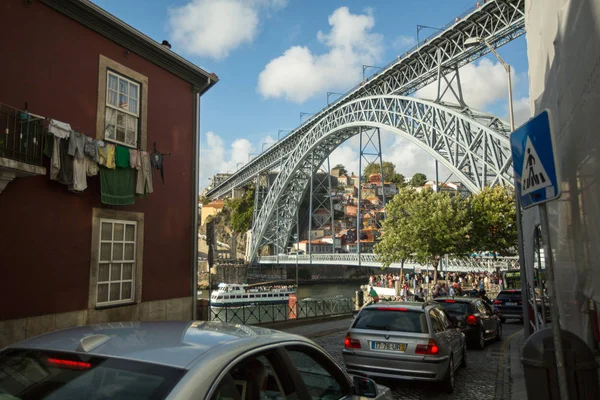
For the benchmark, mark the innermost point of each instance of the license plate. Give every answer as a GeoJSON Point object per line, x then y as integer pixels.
{"type": "Point", "coordinates": [508, 303]}
{"type": "Point", "coordinates": [388, 346]}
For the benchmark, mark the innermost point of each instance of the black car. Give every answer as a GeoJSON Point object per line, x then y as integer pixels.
{"type": "Point", "coordinates": [509, 304]}
{"type": "Point", "coordinates": [475, 319]}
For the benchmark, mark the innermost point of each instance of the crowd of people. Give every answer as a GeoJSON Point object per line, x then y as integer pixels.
{"type": "Point", "coordinates": [417, 285]}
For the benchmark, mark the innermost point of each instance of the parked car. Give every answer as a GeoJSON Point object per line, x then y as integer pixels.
{"type": "Point", "coordinates": [509, 304]}
{"type": "Point", "coordinates": [475, 318]}
{"type": "Point", "coordinates": [405, 340]}
{"type": "Point", "coordinates": [173, 360]}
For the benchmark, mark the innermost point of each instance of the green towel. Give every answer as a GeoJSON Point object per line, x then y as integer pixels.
{"type": "Point", "coordinates": [122, 157]}
{"type": "Point", "coordinates": [117, 186]}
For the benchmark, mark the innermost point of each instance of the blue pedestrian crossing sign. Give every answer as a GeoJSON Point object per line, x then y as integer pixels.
{"type": "Point", "coordinates": [534, 164]}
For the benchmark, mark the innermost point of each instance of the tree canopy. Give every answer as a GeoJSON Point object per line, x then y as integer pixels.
{"type": "Point", "coordinates": [241, 211]}
{"type": "Point", "coordinates": [342, 168]}
{"type": "Point", "coordinates": [494, 218]}
{"type": "Point", "coordinates": [389, 172]}
{"type": "Point", "coordinates": [418, 180]}
{"type": "Point", "coordinates": [426, 225]}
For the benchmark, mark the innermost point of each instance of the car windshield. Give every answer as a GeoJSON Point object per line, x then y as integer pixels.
{"type": "Point", "coordinates": [391, 320]}
{"type": "Point", "coordinates": [33, 374]}
{"type": "Point", "coordinates": [456, 309]}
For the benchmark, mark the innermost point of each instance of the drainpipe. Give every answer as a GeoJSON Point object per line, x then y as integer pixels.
{"type": "Point", "coordinates": [195, 189]}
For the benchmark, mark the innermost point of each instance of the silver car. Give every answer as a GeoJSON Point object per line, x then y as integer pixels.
{"type": "Point", "coordinates": [405, 340]}
{"type": "Point", "coordinates": [175, 360]}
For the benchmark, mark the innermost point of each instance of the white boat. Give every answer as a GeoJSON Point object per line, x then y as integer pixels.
{"type": "Point", "coordinates": [381, 291]}
{"type": "Point", "coordinates": [238, 295]}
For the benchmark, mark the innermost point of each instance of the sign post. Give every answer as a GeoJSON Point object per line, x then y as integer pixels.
{"type": "Point", "coordinates": [537, 182]}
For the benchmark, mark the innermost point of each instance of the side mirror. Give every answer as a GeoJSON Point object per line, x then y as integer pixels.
{"type": "Point", "coordinates": [364, 387]}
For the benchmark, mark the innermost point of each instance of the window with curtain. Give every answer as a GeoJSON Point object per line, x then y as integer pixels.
{"type": "Point", "coordinates": [122, 110]}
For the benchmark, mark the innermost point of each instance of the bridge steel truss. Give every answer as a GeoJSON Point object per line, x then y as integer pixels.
{"type": "Point", "coordinates": [461, 139]}
{"type": "Point", "coordinates": [465, 264]}
{"type": "Point", "coordinates": [496, 21]}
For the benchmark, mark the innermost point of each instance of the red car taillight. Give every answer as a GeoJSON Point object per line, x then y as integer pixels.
{"type": "Point", "coordinates": [69, 363]}
{"type": "Point", "coordinates": [471, 320]}
{"type": "Point", "coordinates": [429, 349]}
{"type": "Point", "coordinates": [497, 301]}
{"type": "Point", "coordinates": [350, 343]}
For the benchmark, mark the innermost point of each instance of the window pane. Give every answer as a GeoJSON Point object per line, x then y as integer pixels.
{"type": "Point", "coordinates": [115, 291]}
{"type": "Point", "coordinates": [126, 290]}
{"type": "Point", "coordinates": [109, 123]}
{"type": "Point", "coordinates": [121, 134]}
{"type": "Point", "coordinates": [318, 381]}
{"type": "Point", "coordinates": [105, 252]}
{"type": "Point", "coordinates": [119, 230]}
{"type": "Point", "coordinates": [124, 102]}
{"type": "Point", "coordinates": [113, 82]}
{"type": "Point", "coordinates": [133, 91]}
{"type": "Point", "coordinates": [111, 98]}
{"type": "Point", "coordinates": [102, 293]}
{"type": "Point", "coordinates": [130, 233]}
{"type": "Point", "coordinates": [115, 272]}
{"type": "Point", "coordinates": [103, 273]}
{"type": "Point", "coordinates": [123, 86]}
{"type": "Point", "coordinates": [133, 104]}
{"type": "Point", "coordinates": [106, 231]}
{"type": "Point", "coordinates": [127, 271]}
{"type": "Point", "coordinates": [117, 251]}
{"type": "Point", "coordinates": [129, 256]}
{"type": "Point", "coordinates": [121, 118]}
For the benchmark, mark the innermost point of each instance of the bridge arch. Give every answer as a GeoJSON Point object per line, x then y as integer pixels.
{"type": "Point", "coordinates": [473, 145]}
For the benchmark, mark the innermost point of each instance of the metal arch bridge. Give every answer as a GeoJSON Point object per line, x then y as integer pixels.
{"type": "Point", "coordinates": [473, 145]}
{"type": "Point", "coordinates": [466, 264]}
{"type": "Point", "coordinates": [497, 21]}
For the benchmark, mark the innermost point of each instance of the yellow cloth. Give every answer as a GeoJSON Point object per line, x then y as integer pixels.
{"type": "Point", "coordinates": [106, 156]}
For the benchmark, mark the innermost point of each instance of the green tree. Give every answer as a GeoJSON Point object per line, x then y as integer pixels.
{"type": "Point", "coordinates": [342, 168]}
{"type": "Point", "coordinates": [426, 224]}
{"type": "Point", "coordinates": [418, 180]}
{"type": "Point", "coordinates": [389, 172]}
{"type": "Point", "coordinates": [241, 211]}
{"type": "Point", "coordinates": [203, 200]}
{"type": "Point", "coordinates": [494, 218]}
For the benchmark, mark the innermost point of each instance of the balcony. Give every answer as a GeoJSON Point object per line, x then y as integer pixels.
{"type": "Point", "coordinates": [21, 144]}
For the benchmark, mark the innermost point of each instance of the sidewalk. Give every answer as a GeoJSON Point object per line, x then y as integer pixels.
{"type": "Point", "coordinates": [510, 383]}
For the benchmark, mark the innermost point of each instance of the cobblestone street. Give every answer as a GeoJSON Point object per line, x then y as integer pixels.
{"type": "Point", "coordinates": [477, 381]}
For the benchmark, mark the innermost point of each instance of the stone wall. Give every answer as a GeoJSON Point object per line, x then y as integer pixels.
{"type": "Point", "coordinates": [235, 273]}
{"type": "Point", "coordinates": [15, 330]}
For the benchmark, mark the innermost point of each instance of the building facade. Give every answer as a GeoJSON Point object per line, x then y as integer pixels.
{"type": "Point", "coordinates": [71, 257]}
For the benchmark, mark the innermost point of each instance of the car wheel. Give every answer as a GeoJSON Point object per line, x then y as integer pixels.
{"type": "Point", "coordinates": [481, 340]}
{"type": "Point", "coordinates": [463, 362]}
{"type": "Point", "coordinates": [499, 332]}
{"type": "Point", "coordinates": [448, 382]}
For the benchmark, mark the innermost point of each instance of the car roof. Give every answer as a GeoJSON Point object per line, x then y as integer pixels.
{"type": "Point", "coordinates": [458, 299]}
{"type": "Point", "coordinates": [411, 305]}
{"type": "Point", "coordinates": [172, 343]}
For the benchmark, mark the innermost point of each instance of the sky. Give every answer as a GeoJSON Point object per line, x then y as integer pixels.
{"type": "Point", "coordinates": [277, 59]}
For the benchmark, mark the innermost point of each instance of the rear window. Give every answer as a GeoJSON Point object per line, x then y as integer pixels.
{"type": "Point", "coordinates": [509, 293]}
{"type": "Point", "coordinates": [457, 309]}
{"type": "Point", "coordinates": [390, 320]}
{"type": "Point", "coordinates": [34, 374]}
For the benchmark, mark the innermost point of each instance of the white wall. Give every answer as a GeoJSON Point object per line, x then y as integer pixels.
{"type": "Point", "coordinates": [563, 46]}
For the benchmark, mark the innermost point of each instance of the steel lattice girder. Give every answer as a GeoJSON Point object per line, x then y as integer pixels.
{"type": "Point", "coordinates": [461, 139]}
{"type": "Point", "coordinates": [498, 22]}
{"type": "Point", "coordinates": [464, 264]}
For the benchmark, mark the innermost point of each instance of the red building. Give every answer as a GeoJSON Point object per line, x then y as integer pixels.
{"type": "Point", "coordinates": [67, 258]}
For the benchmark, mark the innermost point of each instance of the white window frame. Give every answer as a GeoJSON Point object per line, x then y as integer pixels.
{"type": "Point", "coordinates": [135, 113]}
{"type": "Point", "coordinates": [110, 281]}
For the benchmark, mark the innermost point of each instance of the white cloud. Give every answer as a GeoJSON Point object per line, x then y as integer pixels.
{"type": "Point", "coordinates": [403, 42]}
{"type": "Point", "coordinates": [522, 110]}
{"type": "Point", "coordinates": [483, 83]}
{"type": "Point", "coordinates": [299, 74]}
{"type": "Point", "coordinates": [215, 157]}
{"type": "Point", "coordinates": [347, 155]}
{"type": "Point", "coordinates": [213, 28]}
